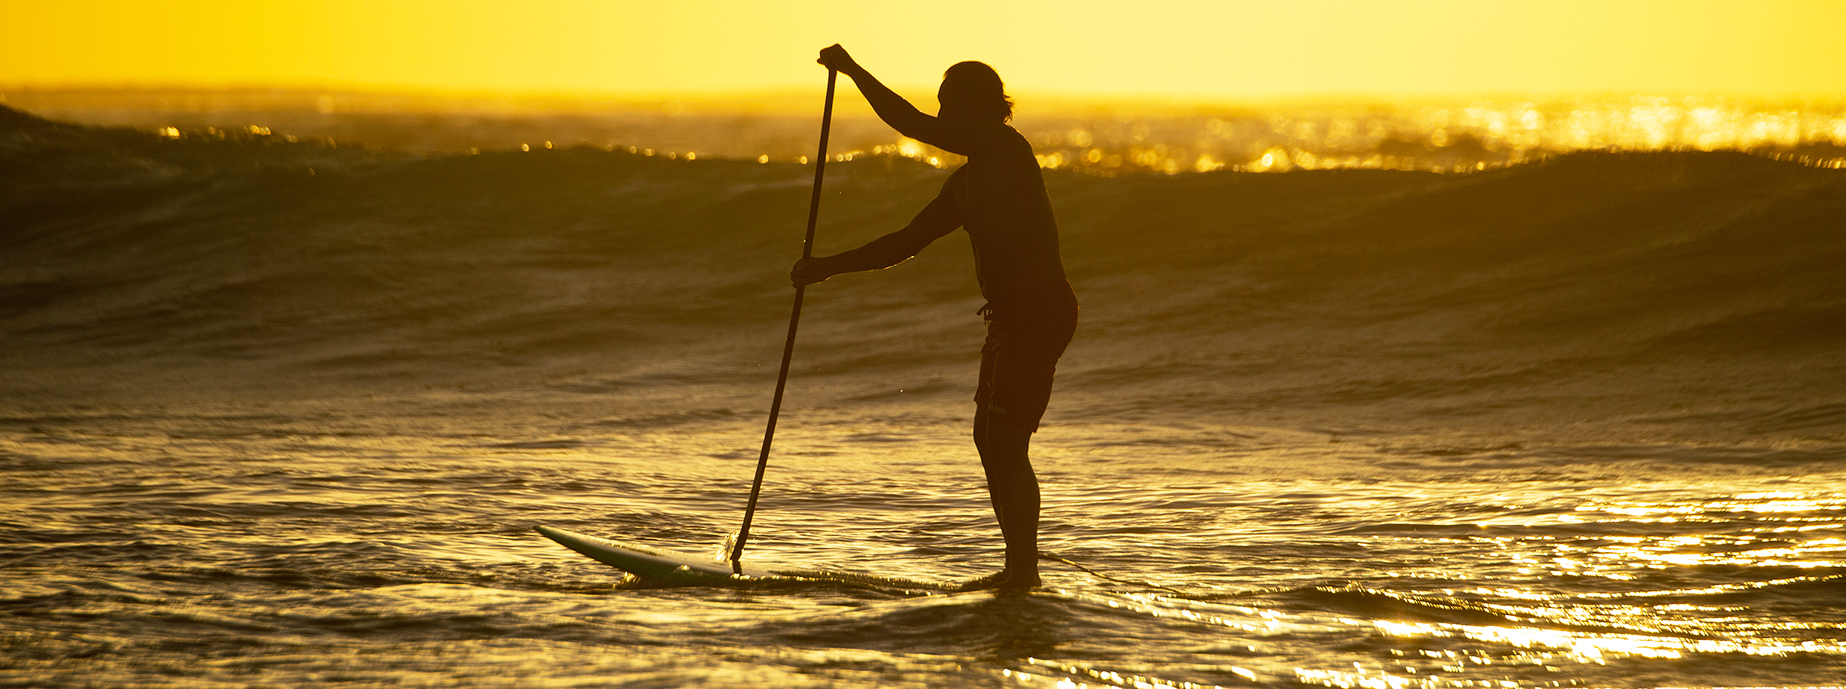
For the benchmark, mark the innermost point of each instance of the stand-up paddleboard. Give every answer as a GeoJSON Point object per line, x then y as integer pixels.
{"type": "Point", "coordinates": [655, 564]}
{"type": "Point", "coordinates": [647, 563]}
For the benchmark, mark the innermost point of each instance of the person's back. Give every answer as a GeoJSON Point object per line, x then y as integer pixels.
{"type": "Point", "coordinates": [1009, 221]}
{"type": "Point", "coordinates": [999, 198]}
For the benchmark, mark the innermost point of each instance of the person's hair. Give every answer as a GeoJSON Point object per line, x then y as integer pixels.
{"type": "Point", "coordinates": [982, 88]}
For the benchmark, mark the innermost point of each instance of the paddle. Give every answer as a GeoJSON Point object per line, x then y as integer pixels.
{"type": "Point", "coordinates": [788, 348]}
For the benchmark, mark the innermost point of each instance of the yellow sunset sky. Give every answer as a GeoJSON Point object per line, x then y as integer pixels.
{"type": "Point", "coordinates": [1228, 49]}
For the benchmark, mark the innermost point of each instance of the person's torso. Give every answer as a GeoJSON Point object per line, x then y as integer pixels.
{"type": "Point", "coordinates": [1009, 221]}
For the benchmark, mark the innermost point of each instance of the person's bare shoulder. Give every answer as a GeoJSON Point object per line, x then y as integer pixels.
{"type": "Point", "coordinates": [1003, 138]}
{"type": "Point", "coordinates": [1016, 142]}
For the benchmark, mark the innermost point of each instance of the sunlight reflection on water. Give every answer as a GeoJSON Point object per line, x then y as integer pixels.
{"type": "Point", "coordinates": [1293, 562]}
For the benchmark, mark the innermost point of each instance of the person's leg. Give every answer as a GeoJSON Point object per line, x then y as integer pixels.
{"type": "Point", "coordinates": [1017, 365]}
{"type": "Point", "coordinates": [1013, 488]}
{"type": "Point", "coordinates": [983, 394]}
{"type": "Point", "coordinates": [981, 446]}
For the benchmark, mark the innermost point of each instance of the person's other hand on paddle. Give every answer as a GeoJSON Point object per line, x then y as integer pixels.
{"type": "Point", "coordinates": [836, 58]}
{"type": "Point", "coordinates": [808, 271]}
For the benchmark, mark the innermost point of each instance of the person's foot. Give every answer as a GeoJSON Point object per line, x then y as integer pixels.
{"type": "Point", "coordinates": [1021, 583]}
{"type": "Point", "coordinates": [991, 581]}
{"type": "Point", "coordinates": [1003, 580]}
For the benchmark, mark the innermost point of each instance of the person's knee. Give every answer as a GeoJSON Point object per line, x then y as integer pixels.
{"type": "Point", "coordinates": [1004, 447]}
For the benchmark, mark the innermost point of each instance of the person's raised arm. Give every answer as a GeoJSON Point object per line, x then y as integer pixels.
{"type": "Point", "coordinates": [894, 110]}
{"type": "Point", "coordinates": [939, 218]}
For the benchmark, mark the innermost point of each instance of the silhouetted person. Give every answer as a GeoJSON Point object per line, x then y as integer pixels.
{"type": "Point", "coordinates": [999, 197]}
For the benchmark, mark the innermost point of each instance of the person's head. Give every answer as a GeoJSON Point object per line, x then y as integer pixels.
{"type": "Point", "coordinates": [973, 90]}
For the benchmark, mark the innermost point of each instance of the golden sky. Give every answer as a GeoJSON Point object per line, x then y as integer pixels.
{"type": "Point", "coordinates": [1209, 49]}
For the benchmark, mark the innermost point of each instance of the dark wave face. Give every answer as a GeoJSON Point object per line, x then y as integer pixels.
{"type": "Point", "coordinates": [1618, 296]}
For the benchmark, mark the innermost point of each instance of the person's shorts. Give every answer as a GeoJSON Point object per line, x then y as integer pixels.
{"type": "Point", "coordinates": [1019, 358]}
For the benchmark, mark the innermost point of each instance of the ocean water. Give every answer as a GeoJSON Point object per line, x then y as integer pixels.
{"type": "Point", "coordinates": [283, 413]}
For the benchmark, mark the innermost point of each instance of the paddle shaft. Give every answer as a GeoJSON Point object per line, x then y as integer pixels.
{"type": "Point", "coordinates": [794, 320]}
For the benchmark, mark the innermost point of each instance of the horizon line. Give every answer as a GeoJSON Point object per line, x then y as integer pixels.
{"type": "Point", "coordinates": [735, 97]}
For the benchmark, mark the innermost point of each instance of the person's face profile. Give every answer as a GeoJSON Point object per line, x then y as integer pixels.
{"type": "Point", "coordinates": [948, 106]}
